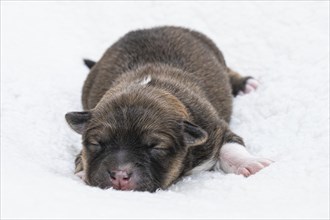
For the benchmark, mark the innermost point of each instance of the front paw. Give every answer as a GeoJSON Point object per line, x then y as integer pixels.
{"type": "Point", "coordinates": [81, 175]}
{"type": "Point", "coordinates": [252, 166]}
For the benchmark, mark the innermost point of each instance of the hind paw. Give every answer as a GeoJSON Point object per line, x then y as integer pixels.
{"type": "Point", "coordinates": [250, 86]}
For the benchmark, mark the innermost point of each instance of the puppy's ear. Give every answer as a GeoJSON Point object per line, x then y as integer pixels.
{"type": "Point", "coordinates": [193, 135]}
{"type": "Point", "coordinates": [78, 120]}
{"type": "Point", "coordinates": [89, 63]}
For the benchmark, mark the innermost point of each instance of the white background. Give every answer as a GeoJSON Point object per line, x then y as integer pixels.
{"type": "Point", "coordinates": [285, 45]}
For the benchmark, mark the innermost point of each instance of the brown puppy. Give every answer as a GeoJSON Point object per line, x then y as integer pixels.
{"type": "Point", "coordinates": [157, 107]}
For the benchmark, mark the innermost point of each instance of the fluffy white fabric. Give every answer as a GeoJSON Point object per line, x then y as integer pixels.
{"type": "Point", "coordinates": [285, 45]}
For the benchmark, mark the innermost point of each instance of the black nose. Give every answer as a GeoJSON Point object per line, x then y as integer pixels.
{"type": "Point", "coordinates": [121, 179]}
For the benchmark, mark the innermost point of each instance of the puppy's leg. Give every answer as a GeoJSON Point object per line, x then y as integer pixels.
{"type": "Point", "coordinates": [79, 170]}
{"type": "Point", "coordinates": [234, 158]}
{"type": "Point", "coordinates": [241, 85]}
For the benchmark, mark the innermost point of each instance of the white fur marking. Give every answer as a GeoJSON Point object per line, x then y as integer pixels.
{"type": "Point", "coordinates": [145, 80]}
{"type": "Point", "coordinates": [206, 166]}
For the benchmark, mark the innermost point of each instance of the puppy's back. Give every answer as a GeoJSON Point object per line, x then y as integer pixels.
{"type": "Point", "coordinates": [188, 50]}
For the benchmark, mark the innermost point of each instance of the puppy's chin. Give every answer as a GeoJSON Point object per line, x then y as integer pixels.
{"type": "Point", "coordinates": [108, 185]}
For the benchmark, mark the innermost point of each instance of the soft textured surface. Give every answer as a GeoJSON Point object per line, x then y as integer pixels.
{"type": "Point", "coordinates": [284, 45]}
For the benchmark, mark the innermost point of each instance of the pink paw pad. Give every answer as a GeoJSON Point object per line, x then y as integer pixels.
{"type": "Point", "coordinates": [252, 166]}
{"type": "Point", "coordinates": [250, 86]}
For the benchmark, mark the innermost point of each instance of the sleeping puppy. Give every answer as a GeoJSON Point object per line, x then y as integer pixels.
{"type": "Point", "coordinates": [156, 108]}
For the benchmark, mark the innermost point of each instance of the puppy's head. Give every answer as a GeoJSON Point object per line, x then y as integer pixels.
{"type": "Point", "coordinates": [136, 141]}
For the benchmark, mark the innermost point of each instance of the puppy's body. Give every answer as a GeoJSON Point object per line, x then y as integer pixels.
{"type": "Point", "coordinates": [162, 96]}
{"type": "Point", "coordinates": [200, 63]}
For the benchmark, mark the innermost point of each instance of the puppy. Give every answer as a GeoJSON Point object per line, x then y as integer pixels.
{"type": "Point", "coordinates": [156, 108]}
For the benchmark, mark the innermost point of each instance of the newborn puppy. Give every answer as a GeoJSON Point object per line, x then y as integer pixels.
{"type": "Point", "coordinates": [156, 108]}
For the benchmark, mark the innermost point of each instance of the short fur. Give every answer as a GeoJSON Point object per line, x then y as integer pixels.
{"type": "Point", "coordinates": [163, 128]}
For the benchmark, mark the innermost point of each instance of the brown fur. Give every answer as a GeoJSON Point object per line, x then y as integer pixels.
{"type": "Point", "coordinates": [189, 82]}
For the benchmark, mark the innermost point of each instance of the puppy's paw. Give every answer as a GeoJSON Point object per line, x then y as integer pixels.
{"type": "Point", "coordinates": [250, 86]}
{"type": "Point", "coordinates": [81, 175]}
{"type": "Point", "coordinates": [252, 166]}
{"type": "Point", "coordinates": [234, 158]}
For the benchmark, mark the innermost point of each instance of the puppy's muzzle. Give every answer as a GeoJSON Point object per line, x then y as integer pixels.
{"type": "Point", "coordinates": [122, 179]}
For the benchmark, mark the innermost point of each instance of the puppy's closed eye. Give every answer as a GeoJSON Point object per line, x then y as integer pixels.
{"type": "Point", "coordinates": [94, 146]}
{"type": "Point", "coordinates": [159, 150]}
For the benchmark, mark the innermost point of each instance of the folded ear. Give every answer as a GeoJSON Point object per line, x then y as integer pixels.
{"type": "Point", "coordinates": [193, 134]}
{"type": "Point", "coordinates": [89, 63]}
{"type": "Point", "coordinates": [78, 120]}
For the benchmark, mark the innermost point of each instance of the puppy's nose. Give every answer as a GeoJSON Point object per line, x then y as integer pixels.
{"type": "Point", "coordinates": [121, 179]}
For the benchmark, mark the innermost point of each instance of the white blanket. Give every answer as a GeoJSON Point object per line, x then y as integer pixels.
{"type": "Point", "coordinates": [285, 45]}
